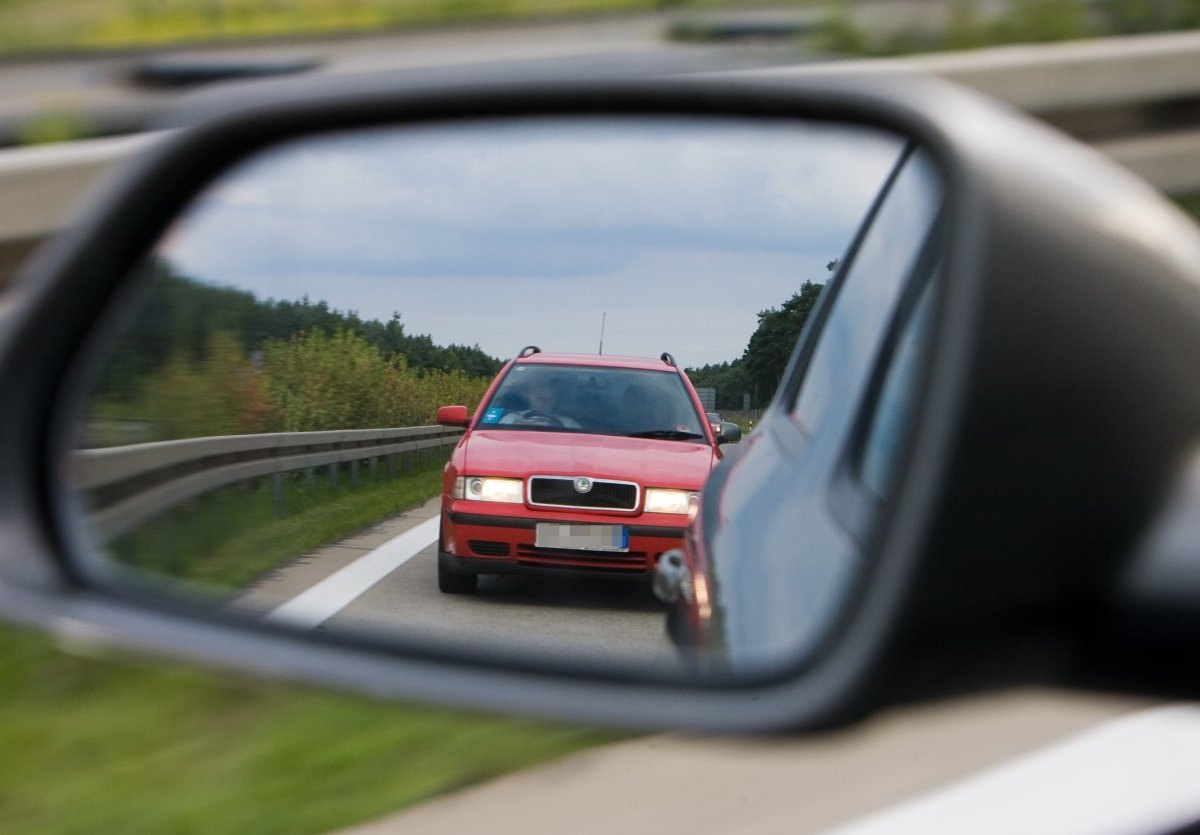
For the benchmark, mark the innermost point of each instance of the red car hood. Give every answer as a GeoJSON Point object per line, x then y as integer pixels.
{"type": "Point", "coordinates": [653, 463]}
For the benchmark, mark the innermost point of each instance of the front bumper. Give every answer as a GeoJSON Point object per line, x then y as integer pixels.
{"type": "Point", "coordinates": [485, 543]}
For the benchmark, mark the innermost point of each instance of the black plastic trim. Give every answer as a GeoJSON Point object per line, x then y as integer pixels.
{"type": "Point", "coordinates": [995, 165]}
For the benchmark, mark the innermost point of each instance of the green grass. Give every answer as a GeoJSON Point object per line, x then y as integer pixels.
{"type": "Point", "coordinates": [228, 538]}
{"type": "Point", "coordinates": [971, 24]}
{"type": "Point", "coordinates": [37, 25]}
{"type": "Point", "coordinates": [63, 123]}
{"type": "Point", "coordinates": [93, 745]}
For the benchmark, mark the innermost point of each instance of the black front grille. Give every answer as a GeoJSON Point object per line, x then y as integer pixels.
{"type": "Point", "coordinates": [604, 495]}
{"type": "Point", "coordinates": [611, 560]}
{"type": "Point", "coordinates": [489, 549]}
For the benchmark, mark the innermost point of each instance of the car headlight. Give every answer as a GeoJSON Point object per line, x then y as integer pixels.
{"type": "Point", "coordinates": [670, 501]}
{"type": "Point", "coordinates": [482, 489]}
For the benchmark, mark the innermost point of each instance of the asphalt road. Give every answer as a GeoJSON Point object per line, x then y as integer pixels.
{"type": "Point", "coordinates": [334, 588]}
{"type": "Point", "coordinates": [1026, 761]}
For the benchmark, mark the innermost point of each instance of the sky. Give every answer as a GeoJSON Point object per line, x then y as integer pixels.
{"type": "Point", "coordinates": [672, 233]}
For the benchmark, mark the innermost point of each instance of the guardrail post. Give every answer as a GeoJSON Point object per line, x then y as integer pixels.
{"type": "Point", "coordinates": [333, 475]}
{"type": "Point", "coordinates": [277, 490]}
{"type": "Point", "coordinates": [353, 473]}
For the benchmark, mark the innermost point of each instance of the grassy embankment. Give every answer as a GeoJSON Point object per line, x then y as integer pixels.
{"type": "Point", "coordinates": [971, 24]}
{"type": "Point", "coordinates": [35, 25]}
{"type": "Point", "coordinates": [227, 538]}
{"type": "Point", "coordinates": [108, 744]}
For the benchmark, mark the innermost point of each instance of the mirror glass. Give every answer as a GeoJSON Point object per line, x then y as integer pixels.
{"type": "Point", "coordinates": [262, 433]}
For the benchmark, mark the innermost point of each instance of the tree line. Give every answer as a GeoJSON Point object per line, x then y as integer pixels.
{"type": "Point", "coordinates": [759, 370]}
{"type": "Point", "coordinates": [179, 315]}
{"type": "Point", "coordinates": [206, 360]}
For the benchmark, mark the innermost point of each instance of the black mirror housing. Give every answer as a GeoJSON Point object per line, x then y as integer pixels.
{"type": "Point", "coordinates": [730, 433]}
{"type": "Point", "coordinates": [1058, 409]}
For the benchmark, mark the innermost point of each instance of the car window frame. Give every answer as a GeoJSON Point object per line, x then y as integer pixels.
{"type": "Point", "coordinates": [493, 392]}
{"type": "Point", "coordinates": [851, 502]}
{"type": "Point", "coordinates": [810, 336]}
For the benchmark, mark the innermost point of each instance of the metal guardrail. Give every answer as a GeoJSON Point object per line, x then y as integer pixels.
{"type": "Point", "coordinates": [127, 485]}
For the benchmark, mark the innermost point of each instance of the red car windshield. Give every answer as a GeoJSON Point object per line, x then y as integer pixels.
{"type": "Point", "coordinates": [593, 400]}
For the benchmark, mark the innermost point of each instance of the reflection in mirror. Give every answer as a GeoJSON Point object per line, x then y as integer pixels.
{"type": "Point", "coordinates": [801, 513]}
{"type": "Point", "coordinates": [264, 434]}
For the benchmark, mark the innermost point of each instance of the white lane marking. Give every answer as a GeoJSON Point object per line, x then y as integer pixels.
{"type": "Point", "coordinates": [1131, 775]}
{"type": "Point", "coordinates": [328, 597]}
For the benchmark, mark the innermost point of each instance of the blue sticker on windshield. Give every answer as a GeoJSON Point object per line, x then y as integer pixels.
{"type": "Point", "coordinates": [492, 415]}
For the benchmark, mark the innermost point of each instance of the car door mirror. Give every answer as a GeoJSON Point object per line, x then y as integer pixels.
{"type": "Point", "coordinates": [452, 416]}
{"type": "Point", "coordinates": [730, 433]}
{"type": "Point", "coordinates": [232, 444]}
{"type": "Point", "coordinates": [275, 400]}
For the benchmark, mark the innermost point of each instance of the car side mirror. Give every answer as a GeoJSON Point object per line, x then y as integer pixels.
{"type": "Point", "coordinates": [730, 433]}
{"type": "Point", "coordinates": [452, 416]}
{"type": "Point", "coordinates": [981, 407]}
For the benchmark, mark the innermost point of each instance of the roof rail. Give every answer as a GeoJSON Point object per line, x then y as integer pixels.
{"type": "Point", "coordinates": [668, 359]}
{"type": "Point", "coordinates": [528, 351]}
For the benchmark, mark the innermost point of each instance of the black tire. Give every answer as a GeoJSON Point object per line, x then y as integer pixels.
{"type": "Point", "coordinates": [452, 582]}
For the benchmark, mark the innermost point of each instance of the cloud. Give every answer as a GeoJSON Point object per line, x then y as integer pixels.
{"type": "Point", "coordinates": [493, 232]}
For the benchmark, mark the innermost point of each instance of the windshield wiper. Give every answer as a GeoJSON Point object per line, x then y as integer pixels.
{"type": "Point", "coordinates": [666, 435]}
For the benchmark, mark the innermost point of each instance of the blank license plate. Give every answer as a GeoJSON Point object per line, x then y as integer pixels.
{"type": "Point", "coordinates": [582, 537]}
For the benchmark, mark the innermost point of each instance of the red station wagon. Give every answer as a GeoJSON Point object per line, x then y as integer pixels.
{"type": "Point", "coordinates": [574, 462]}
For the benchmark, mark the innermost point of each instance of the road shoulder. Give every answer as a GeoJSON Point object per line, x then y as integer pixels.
{"type": "Point", "coordinates": [687, 784]}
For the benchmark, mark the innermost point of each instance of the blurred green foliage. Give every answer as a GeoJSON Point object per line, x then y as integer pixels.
{"type": "Point", "coordinates": [54, 124]}
{"type": "Point", "coordinates": [317, 380]}
{"type": "Point", "coordinates": [1191, 205]}
{"type": "Point", "coordinates": [313, 381]}
{"type": "Point", "coordinates": [971, 24]}
{"type": "Point", "coordinates": [1127, 17]}
{"type": "Point", "coordinates": [37, 25]}
{"type": "Point", "coordinates": [111, 744]}
{"type": "Point", "coordinates": [178, 316]}
{"type": "Point", "coordinates": [201, 360]}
